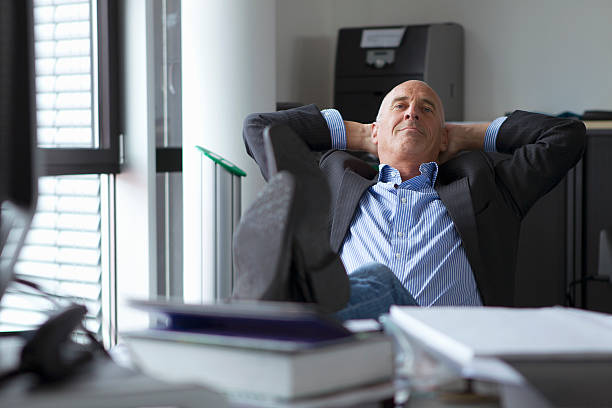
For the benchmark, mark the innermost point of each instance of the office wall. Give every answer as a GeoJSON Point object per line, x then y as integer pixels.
{"type": "Point", "coordinates": [544, 55]}
{"type": "Point", "coordinates": [228, 71]}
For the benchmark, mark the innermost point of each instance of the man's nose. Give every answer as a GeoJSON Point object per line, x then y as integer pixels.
{"type": "Point", "coordinates": [411, 113]}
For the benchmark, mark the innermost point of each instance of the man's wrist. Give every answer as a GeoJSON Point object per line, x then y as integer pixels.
{"type": "Point", "coordinates": [490, 139]}
{"type": "Point", "coordinates": [358, 136]}
{"type": "Point", "coordinates": [336, 127]}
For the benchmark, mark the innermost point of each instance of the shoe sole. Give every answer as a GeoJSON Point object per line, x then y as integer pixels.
{"type": "Point", "coordinates": [262, 243]}
{"type": "Point", "coordinates": [323, 270]}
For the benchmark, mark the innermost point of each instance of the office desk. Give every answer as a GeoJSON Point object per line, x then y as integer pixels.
{"type": "Point", "coordinates": [104, 384]}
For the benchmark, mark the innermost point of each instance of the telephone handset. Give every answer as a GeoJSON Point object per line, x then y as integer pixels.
{"type": "Point", "coordinates": [50, 352]}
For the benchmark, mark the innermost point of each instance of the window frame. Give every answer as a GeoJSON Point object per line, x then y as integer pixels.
{"type": "Point", "coordinates": [106, 158]}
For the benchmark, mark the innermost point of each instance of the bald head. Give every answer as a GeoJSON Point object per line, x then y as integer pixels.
{"type": "Point", "coordinates": [410, 84]}
{"type": "Point", "coordinates": [409, 129]}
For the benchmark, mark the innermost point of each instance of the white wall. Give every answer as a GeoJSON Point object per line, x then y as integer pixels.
{"type": "Point", "coordinates": [135, 185]}
{"type": "Point", "coordinates": [228, 71]}
{"type": "Point", "coordinates": [542, 55]}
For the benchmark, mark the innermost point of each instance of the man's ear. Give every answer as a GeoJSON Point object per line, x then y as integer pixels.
{"type": "Point", "coordinates": [374, 132]}
{"type": "Point", "coordinates": [443, 139]}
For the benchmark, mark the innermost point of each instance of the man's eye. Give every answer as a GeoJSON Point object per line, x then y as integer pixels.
{"type": "Point", "coordinates": [427, 109]}
{"type": "Point", "coordinates": [398, 106]}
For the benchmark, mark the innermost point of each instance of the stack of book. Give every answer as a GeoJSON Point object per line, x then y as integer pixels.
{"type": "Point", "coordinates": [262, 351]}
{"type": "Point", "coordinates": [556, 356]}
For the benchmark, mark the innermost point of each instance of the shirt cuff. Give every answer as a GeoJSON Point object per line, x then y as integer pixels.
{"type": "Point", "coordinates": [491, 134]}
{"type": "Point", "coordinates": [336, 128]}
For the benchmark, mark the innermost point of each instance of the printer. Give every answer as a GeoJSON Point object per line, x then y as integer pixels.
{"type": "Point", "coordinates": [370, 61]}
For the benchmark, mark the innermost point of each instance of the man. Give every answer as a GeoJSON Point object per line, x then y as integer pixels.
{"type": "Point", "coordinates": [442, 214]}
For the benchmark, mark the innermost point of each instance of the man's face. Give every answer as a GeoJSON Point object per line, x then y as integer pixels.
{"type": "Point", "coordinates": [410, 125]}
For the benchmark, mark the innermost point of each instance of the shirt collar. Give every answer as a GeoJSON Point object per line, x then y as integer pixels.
{"type": "Point", "coordinates": [428, 176]}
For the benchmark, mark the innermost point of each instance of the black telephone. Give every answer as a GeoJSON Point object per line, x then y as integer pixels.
{"type": "Point", "coordinates": [50, 352]}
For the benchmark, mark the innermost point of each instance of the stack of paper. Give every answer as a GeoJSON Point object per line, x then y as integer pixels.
{"type": "Point", "coordinates": [477, 339]}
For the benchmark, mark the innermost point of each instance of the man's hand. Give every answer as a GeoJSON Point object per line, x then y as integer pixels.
{"type": "Point", "coordinates": [359, 137]}
{"type": "Point", "coordinates": [463, 137]}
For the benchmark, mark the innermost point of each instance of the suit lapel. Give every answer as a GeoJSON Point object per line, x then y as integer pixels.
{"type": "Point", "coordinates": [352, 188]}
{"type": "Point", "coordinates": [457, 198]}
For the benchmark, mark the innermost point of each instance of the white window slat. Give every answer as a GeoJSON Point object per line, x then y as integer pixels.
{"type": "Point", "coordinates": [59, 272]}
{"type": "Point", "coordinates": [80, 290]}
{"type": "Point", "coordinates": [72, 30]}
{"type": "Point", "coordinates": [79, 205]}
{"type": "Point", "coordinates": [46, 185]}
{"type": "Point", "coordinates": [45, 118]}
{"type": "Point", "coordinates": [44, 49]}
{"type": "Point", "coordinates": [59, 2]}
{"type": "Point", "coordinates": [42, 237]}
{"type": "Point", "coordinates": [74, 136]}
{"type": "Point", "coordinates": [44, 14]}
{"type": "Point", "coordinates": [46, 101]}
{"type": "Point", "coordinates": [72, 65]}
{"type": "Point", "coordinates": [62, 253]}
{"type": "Point", "coordinates": [22, 318]}
{"type": "Point", "coordinates": [27, 301]}
{"type": "Point", "coordinates": [79, 239]}
{"type": "Point", "coordinates": [44, 32]}
{"type": "Point", "coordinates": [78, 256]}
{"type": "Point", "coordinates": [45, 139]}
{"type": "Point", "coordinates": [38, 253]}
{"type": "Point", "coordinates": [89, 274]}
{"type": "Point", "coordinates": [72, 117]}
{"type": "Point", "coordinates": [72, 83]}
{"type": "Point", "coordinates": [45, 220]}
{"type": "Point", "coordinates": [63, 100]}
{"type": "Point", "coordinates": [66, 48]}
{"type": "Point", "coordinates": [78, 222]}
{"type": "Point", "coordinates": [45, 66]}
{"type": "Point", "coordinates": [47, 202]}
{"type": "Point", "coordinates": [45, 83]}
{"type": "Point", "coordinates": [68, 289]}
{"type": "Point", "coordinates": [46, 270]}
{"type": "Point", "coordinates": [68, 100]}
{"type": "Point", "coordinates": [78, 186]}
{"type": "Point", "coordinates": [72, 12]}
{"type": "Point", "coordinates": [41, 3]}
{"type": "Point", "coordinates": [72, 47]}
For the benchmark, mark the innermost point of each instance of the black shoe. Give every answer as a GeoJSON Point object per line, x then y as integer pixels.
{"type": "Point", "coordinates": [317, 269]}
{"type": "Point", "coordinates": [262, 243]}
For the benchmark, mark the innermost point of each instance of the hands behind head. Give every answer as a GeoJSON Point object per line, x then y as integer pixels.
{"type": "Point", "coordinates": [359, 137]}
{"type": "Point", "coordinates": [464, 136]}
{"type": "Point", "coordinates": [461, 136]}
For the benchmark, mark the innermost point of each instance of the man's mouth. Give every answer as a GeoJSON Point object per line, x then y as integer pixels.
{"type": "Point", "coordinates": [410, 128]}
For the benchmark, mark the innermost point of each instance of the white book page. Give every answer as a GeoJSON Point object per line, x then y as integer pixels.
{"type": "Point", "coordinates": [507, 332]}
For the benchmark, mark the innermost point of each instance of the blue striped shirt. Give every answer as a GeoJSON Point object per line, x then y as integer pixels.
{"type": "Point", "coordinates": [409, 229]}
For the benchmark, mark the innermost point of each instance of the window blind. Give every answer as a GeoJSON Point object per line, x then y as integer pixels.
{"type": "Point", "coordinates": [63, 248]}
{"type": "Point", "coordinates": [63, 45]}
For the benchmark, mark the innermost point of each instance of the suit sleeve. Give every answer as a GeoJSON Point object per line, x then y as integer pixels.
{"type": "Point", "coordinates": [306, 121]}
{"type": "Point", "coordinates": [541, 149]}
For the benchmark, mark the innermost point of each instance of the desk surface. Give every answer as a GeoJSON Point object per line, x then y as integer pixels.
{"type": "Point", "coordinates": [105, 384]}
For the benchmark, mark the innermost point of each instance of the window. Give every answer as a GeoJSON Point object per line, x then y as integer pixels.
{"type": "Point", "coordinates": [68, 251]}
{"type": "Point", "coordinates": [168, 140]}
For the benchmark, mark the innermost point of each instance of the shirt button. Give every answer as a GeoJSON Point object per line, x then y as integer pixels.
{"type": "Point", "coordinates": [398, 255]}
{"type": "Point", "coordinates": [400, 234]}
{"type": "Point", "coordinates": [404, 200]}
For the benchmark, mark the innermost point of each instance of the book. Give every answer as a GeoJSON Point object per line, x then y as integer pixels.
{"type": "Point", "coordinates": [269, 350]}
{"type": "Point", "coordinates": [463, 334]}
{"type": "Point", "coordinates": [282, 321]}
{"type": "Point", "coordinates": [262, 367]}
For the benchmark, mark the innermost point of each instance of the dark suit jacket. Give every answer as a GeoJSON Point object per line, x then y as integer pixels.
{"type": "Point", "coordinates": [486, 194]}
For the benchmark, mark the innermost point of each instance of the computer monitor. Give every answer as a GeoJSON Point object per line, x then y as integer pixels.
{"type": "Point", "coordinates": [18, 175]}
